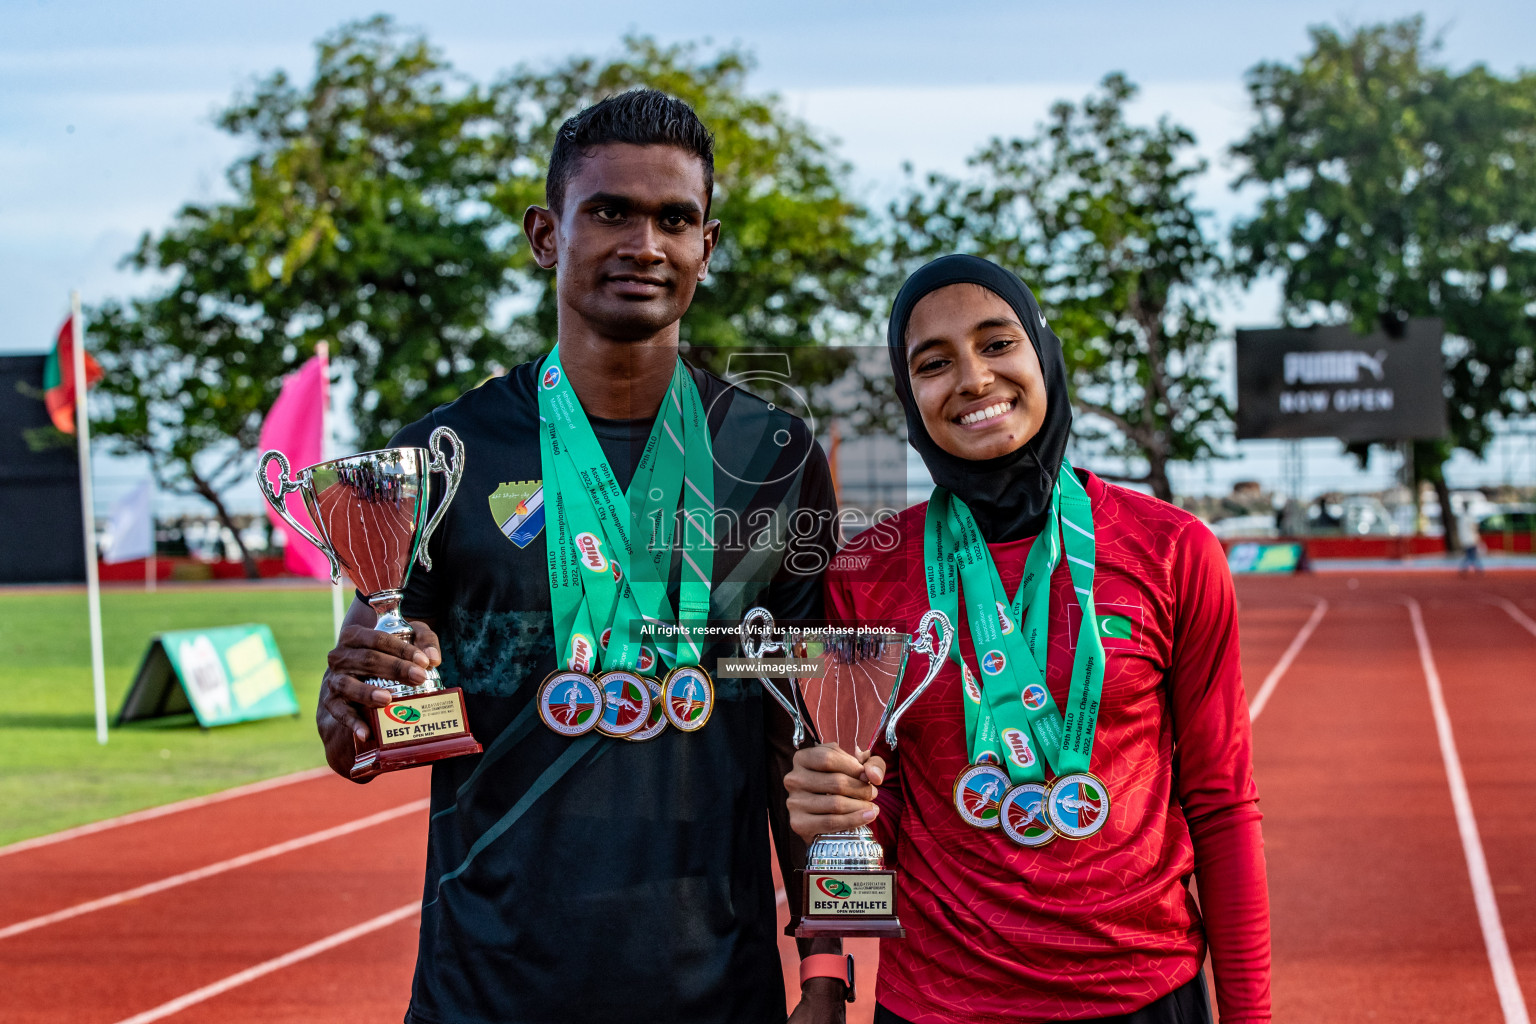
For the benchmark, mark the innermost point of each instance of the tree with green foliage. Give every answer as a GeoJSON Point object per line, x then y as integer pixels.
{"type": "Point", "coordinates": [360, 218]}
{"type": "Point", "coordinates": [1097, 215]}
{"type": "Point", "coordinates": [1393, 186]}
{"type": "Point", "coordinates": [378, 210]}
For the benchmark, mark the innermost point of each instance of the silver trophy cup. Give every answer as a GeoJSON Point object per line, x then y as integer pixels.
{"type": "Point", "coordinates": [370, 511]}
{"type": "Point", "coordinates": [852, 698]}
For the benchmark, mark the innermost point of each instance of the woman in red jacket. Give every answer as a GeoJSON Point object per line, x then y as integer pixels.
{"type": "Point", "coordinates": [1088, 751]}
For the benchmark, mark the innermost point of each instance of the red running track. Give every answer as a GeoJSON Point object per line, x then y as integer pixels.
{"type": "Point", "coordinates": [249, 908]}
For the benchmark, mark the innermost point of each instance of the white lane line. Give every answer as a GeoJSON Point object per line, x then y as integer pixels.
{"type": "Point", "coordinates": [163, 810]}
{"type": "Point", "coordinates": [276, 964]}
{"type": "Point", "coordinates": [1516, 614]}
{"type": "Point", "coordinates": [1504, 979]}
{"type": "Point", "coordinates": [198, 874]}
{"type": "Point", "coordinates": [1273, 679]}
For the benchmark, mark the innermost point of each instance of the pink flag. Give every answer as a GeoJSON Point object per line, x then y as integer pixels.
{"type": "Point", "coordinates": [296, 427]}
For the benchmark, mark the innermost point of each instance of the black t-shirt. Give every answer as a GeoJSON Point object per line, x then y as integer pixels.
{"type": "Point", "coordinates": [596, 879]}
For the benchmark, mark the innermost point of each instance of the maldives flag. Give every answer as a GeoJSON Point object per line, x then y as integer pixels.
{"type": "Point", "coordinates": [59, 379]}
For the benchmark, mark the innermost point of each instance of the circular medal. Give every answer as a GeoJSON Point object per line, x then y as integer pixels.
{"type": "Point", "coordinates": [688, 697]}
{"type": "Point", "coordinates": [988, 757]}
{"type": "Point", "coordinates": [626, 703]}
{"type": "Point", "coordinates": [656, 724]}
{"type": "Point", "coordinates": [978, 792]}
{"type": "Point", "coordinates": [1077, 805]}
{"type": "Point", "coordinates": [1023, 815]}
{"type": "Point", "coordinates": [570, 702]}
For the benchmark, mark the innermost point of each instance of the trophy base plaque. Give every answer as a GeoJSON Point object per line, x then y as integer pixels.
{"type": "Point", "coordinates": [848, 904]}
{"type": "Point", "coordinates": [415, 730]}
{"type": "Point", "coordinates": [854, 685]}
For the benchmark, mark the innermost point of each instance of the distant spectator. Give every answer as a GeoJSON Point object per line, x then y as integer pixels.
{"type": "Point", "coordinates": [1471, 543]}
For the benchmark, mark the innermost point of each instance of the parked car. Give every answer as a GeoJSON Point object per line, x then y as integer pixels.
{"type": "Point", "coordinates": [1509, 519]}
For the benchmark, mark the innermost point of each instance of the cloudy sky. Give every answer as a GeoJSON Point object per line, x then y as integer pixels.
{"type": "Point", "coordinates": [106, 107]}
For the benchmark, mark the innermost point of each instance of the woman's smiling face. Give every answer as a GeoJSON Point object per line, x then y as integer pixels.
{"type": "Point", "coordinates": [975, 375]}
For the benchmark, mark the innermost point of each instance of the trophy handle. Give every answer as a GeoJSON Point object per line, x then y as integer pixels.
{"type": "Point", "coordinates": [450, 463]}
{"type": "Point", "coordinates": [761, 620]}
{"type": "Point", "coordinates": [275, 496]}
{"type": "Point", "coordinates": [944, 631]}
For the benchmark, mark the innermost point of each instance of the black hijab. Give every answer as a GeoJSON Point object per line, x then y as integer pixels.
{"type": "Point", "coordinates": [1008, 495]}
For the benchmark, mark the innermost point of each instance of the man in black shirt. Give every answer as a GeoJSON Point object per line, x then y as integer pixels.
{"type": "Point", "coordinates": [597, 879]}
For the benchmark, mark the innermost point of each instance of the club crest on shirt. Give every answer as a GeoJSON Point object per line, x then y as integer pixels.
{"type": "Point", "coordinates": [518, 508]}
{"type": "Point", "coordinates": [993, 662]}
{"type": "Point", "coordinates": [1019, 751]}
{"type": "Point", "coordinates": [551, 378]}
{"type": "Point", "coordinates": [591, 551]}
{"type": "Point", "coordinates": [1004, 623]}
{"type": "Point", "coordinates": [1034, 696]}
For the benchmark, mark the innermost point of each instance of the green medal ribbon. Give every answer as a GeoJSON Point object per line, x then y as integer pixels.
{"type": "Point", "coordinates": [1011, 637]}
{"type": "Point", "coordinates": [941, 568]}
{"type": "Point", "coordinates": [687, 468]}
{"type": "Point", "coordinates": [588, 585]}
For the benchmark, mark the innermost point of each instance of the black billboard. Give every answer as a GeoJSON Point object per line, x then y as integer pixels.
{"type": "Point", "coordinates": [42, 540]}
{"type": "Point", "coordinates": [1332, 382]}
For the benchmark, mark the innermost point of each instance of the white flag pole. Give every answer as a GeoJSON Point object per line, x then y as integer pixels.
{"type": "Point", "coordinates": [327, 451]}
{"type": "Point", "coordinates": [88, 513]}
{"type": "Point", "coordinates": [151, 570]}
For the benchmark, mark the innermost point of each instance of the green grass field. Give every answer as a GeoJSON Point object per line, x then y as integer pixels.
{"type": "Point", "coordinates": [52, 772]}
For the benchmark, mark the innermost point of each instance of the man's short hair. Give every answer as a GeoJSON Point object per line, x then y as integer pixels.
{"type": "Point", "coordinates": [640, 117]}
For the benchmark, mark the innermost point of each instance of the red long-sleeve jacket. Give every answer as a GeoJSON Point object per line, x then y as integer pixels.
{"type": "Point", "coordinates": [1000, 933]}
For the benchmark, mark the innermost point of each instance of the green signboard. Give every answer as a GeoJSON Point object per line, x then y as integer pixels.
{"type": "Point", "coordinates": [1264, 557]}
{"type": "Point", "coordinates": [222, 675]}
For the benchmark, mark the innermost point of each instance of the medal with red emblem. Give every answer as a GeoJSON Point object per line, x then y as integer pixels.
{"type": "Point", "coordinates": [688, 697]}
{"type": "Point", "coordinates": [979, 793]}
{"type": "Point", "coordinates": [1077, 805]}
{"type": "Point", "coordinates": [1023, 815]}
{"type": "Point", "coordinates": [626, 703]}
{"type": "Point", "coordinates": [656, 724]}
{"type": "Point", "coordinates": [570, 702]}
{"type": "Point", "coordinates": [605, 581]}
